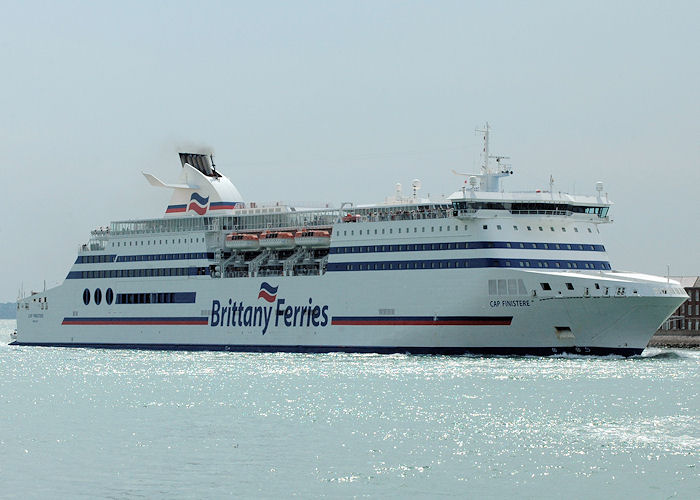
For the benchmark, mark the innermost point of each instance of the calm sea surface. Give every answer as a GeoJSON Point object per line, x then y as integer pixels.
{"type": "Point", "coordinates": [142, 424]}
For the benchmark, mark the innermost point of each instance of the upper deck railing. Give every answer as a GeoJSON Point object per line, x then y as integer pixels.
{"type": "Point", "coordinates": [258, 222]}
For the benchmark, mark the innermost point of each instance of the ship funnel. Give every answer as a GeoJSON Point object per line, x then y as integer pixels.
{"type": "Point", "coordinates": [201, 162]}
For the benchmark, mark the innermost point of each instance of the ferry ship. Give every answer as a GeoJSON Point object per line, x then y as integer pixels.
{"type": "Point", "coordinates": [482, 271]}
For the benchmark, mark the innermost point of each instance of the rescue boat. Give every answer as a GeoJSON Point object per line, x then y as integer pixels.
{"type": "Point", "coordinates": [243, 241]}
{"type": "Point", "coordinates": [278, 240]}
{"type": "Point", "coordinates": [313, 239]}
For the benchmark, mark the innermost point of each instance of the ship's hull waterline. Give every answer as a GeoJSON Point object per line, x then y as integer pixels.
{"type": "Point", "coordinates": [446, 313]}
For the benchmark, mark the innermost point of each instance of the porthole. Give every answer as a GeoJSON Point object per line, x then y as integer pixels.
{"type": "Point", "coordinates": [109, 296]}
{"type": "Point", "coordinates": [98, 296]}
{"type": "Point", "coordinates": [86, 296]}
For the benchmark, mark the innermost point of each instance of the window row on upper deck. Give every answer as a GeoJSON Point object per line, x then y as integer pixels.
{"type": "Point", "coordinates": [95, 259]}
{"type": "Point", "coordinates": [398, 265]}
{"type": "Point", "coordinates": [532, 208]}
{"type": "Point", "coordinates": [466, 245]}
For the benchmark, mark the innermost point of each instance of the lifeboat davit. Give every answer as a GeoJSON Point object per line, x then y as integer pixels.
{"type": "Point", "coordinates": [277, 240]}
{"type": "Point", "coordinates": [313, 239]}
{"type": "Point", "coordinates": [241, 241]}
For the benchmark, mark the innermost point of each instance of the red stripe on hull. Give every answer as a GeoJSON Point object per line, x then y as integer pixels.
{"type": "Point", "coordinates": [132, 323]}
{"type": "Point", "coordinates": [418, 323]}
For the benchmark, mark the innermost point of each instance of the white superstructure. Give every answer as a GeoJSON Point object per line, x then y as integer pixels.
{"type": "Point", "coordinates": [483, 271]}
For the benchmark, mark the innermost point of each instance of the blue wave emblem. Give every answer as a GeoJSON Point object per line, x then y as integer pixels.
{"type": "Point", "coordinates": [267, 292]}
{"type": "Point", "coordinates": [198, 203]}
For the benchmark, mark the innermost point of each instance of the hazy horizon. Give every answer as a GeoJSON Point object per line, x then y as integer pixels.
{"type": "Point", "coordinates": [339, 101]}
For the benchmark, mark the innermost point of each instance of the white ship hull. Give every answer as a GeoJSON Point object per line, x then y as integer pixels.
{"type": "Point", "coordinates": [446, 311]}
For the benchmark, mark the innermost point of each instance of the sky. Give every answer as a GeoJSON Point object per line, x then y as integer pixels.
{"type": "Point", "coordinates": [338, 101]}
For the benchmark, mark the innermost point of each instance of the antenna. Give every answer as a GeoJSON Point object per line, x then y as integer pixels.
{"type": "Point", "coordinates": [485, 132]}
{"type": "Point", "coordinates": [489, 180]}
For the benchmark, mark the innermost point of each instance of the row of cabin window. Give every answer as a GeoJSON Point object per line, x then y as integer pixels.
{"type": "Point", "coordinates": [531, 207]}
{"type": "Point", "coordinates": [155, 298]}
{"type": "Point", "coordinates": [109, 296]}
{"type": "Point", "coordinates": [139, 298]}
{"type": "Point", "coordinates": [570, 286]}
{"type": "Point", "coordinates": [160, 242]}
{"type": "Point", "coordinates": [95, 259]}
{"type": "Point", "coordinates": [165, 256]}
{"type": "Point", "coordinates": [464, 263]}
{"type": "Point", "coordinates": [447, 228]}
{"type": "Point", "coordinates": [142, 273]}
{"type": "Point", "coordinates": [418, 247]}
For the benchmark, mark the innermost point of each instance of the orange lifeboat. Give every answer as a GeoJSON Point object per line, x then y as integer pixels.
{"type": "Point", "coordinates": [277, 240]}
{"type": "Point", "coordinates": [243, 241]}
{"type": "Point", "coordinates": [313, 239]}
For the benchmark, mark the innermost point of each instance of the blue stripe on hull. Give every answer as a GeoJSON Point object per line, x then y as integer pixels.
{"type": "Point", "coordinates": [489, 351]}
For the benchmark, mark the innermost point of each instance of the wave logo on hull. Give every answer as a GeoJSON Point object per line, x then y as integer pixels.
{"type": "Point", "coordinates": [198, 204]}
{"type": "Point", "coordinates": [267, 292]}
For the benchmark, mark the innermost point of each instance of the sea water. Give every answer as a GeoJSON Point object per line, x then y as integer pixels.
{"type": "Point", "coordinates": [86, 423]}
